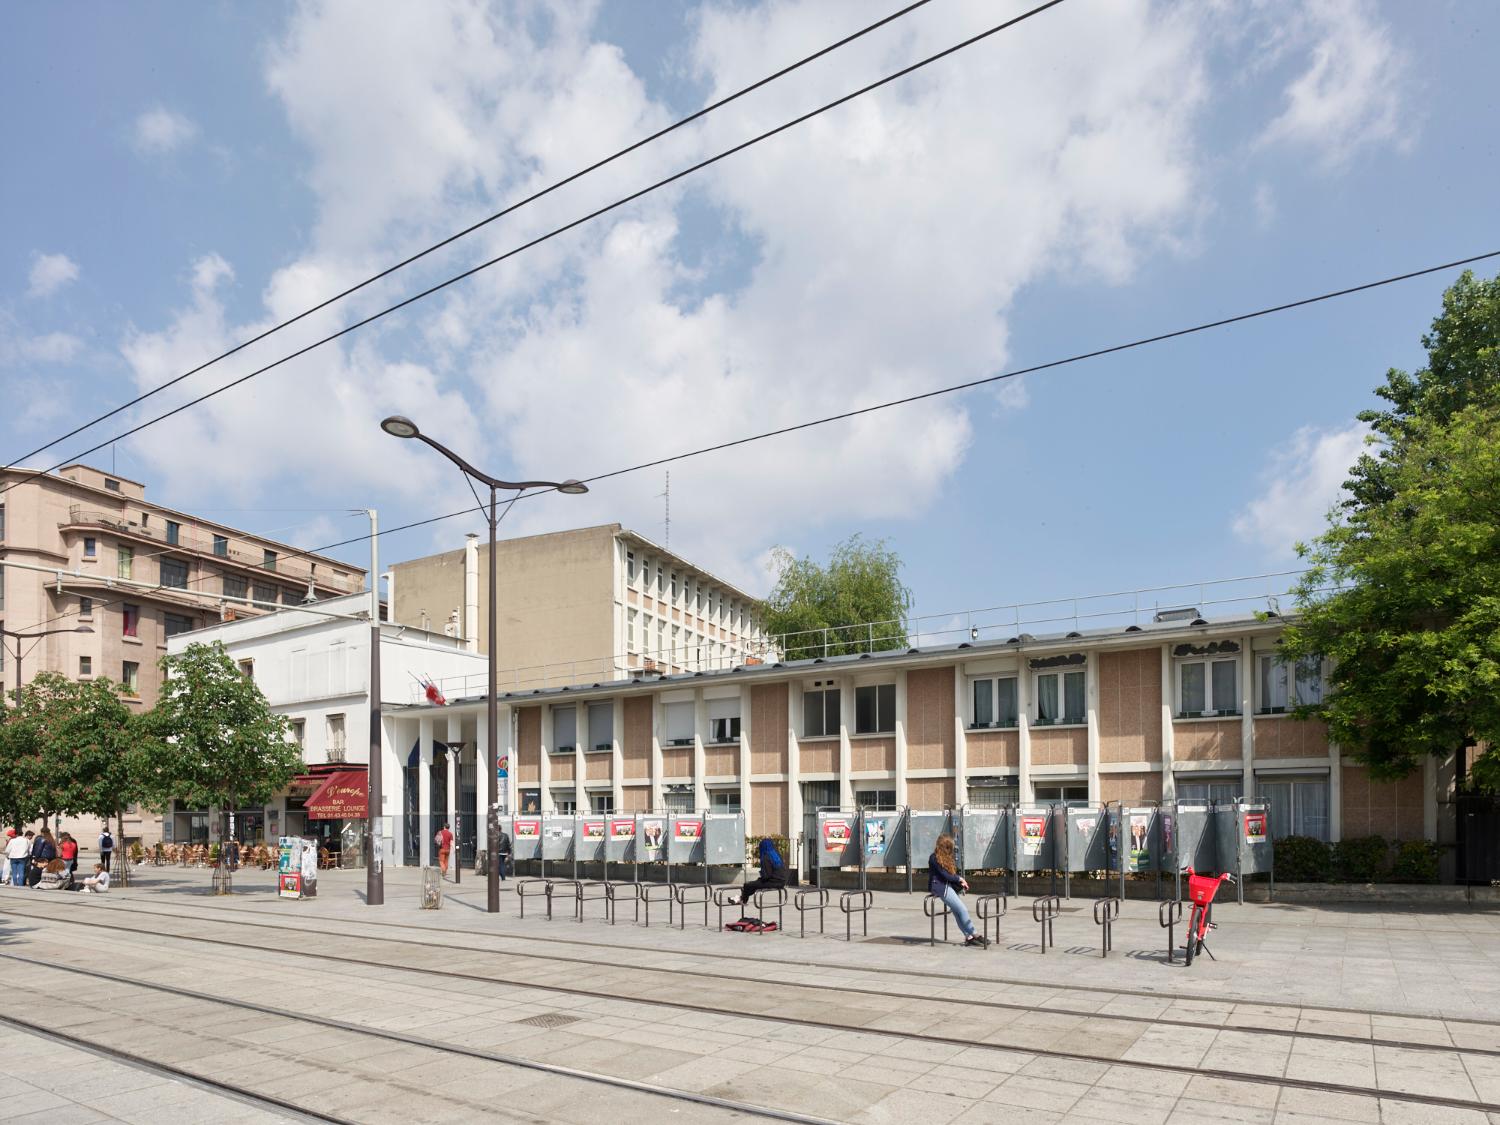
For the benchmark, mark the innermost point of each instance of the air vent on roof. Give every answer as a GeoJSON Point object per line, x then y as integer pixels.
{"type": "Point", "coordinates": [1132, 628]}
{"type": "Point", "coordinates": [864, 656]}
{"type": "Point", "coordinates": [1187, 613]}
{"type": "Point", "coordinates": [913, 651]}
{"type": "Point", "coordinates": [965, 644]}
{"type": "Point", "coordinates": [1199, 621]}
{"type": "Point", "coordinates": [1073, 634]}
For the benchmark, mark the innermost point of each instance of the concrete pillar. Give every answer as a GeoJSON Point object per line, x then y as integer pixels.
{"type": "Point", "coordinates": [544, 766]}
{"type": "Point", "coordinates": [1335, 791]}
{"type": "Point", "coordinates": [960, 739]}
{"type": "Point", "coordinates": [700, 762]}
{"type": "Point", "coordinates": [656, 728]}
{"type": "Point", "coordinates": [484, 779]}
{"type": "Point", "coordinates": [580, 742]}
{"type": "Point", "coordinates": [744, 758]}
{"type": "Point", "coordinates": [1091, 715]}
{"type": "Point", "coordinates": [794, 811]}
{"type": "Point", "coordinates": [846, 751]}
{"type": "Point", "coordinates": [1168, 777]}
{"type": "Point", "coordinates": [901, 763]}
{"type": "Point", "coordinates": [1247, 714]}
{"type": "Point", "coordinates": [1025, 793]}
{"type": "Point", "coordinates": [508, 722]}
{"type": "Point", "coordinates": [617, 753]}
{"type": "Point", "coordinates": [425, 828]}
{"type": "Point", "coordinates": [455, 735]}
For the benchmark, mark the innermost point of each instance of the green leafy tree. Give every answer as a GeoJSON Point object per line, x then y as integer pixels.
{"type": "Point", "coordinates": [857, 603]}
{"type": "Point", "coordinates": [211, 739]}
{"type": "Point", "coordinates": [21, 797]}
{"type": "Point", "coordinates": [1413, 626]}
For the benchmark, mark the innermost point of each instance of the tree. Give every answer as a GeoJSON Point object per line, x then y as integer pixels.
{"type": "Point", "coordinates": [857, 603]}
{"type": "Point", "coordinates": [1413, 556]}
{"type": "Point", "coordinates": [21, 799]}
{"type": "Point", "coordinates": [212, 740]}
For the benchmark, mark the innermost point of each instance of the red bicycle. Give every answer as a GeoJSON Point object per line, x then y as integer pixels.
{"type": "Point", "coordinates": [1202, 889]}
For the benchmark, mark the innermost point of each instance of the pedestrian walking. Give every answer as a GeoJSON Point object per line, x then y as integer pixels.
{"type": "Point", "coordinates": [502, 848]}
{"type": "Point", "coordinates": [944, 882]}
{"type": "Point", "coordinates": [772, 871]}
{"type": "Point", "coordinates": [43, 852]}
{"type": "Point", "coordinates": [444, 840]}
{"type": "Point", "coordinates": [106, 844]}
{"type": "Point", "coordinates": [67, 851]}
{"type": "Point", "coordinates": [17, 855]}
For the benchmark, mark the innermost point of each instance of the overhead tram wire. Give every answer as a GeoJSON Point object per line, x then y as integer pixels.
{"type": "Point", "coordinates": [621, 202]}
{"type": "Point", "coordinates": [698, 115]}
{"type": "Point", "coordinates": [955, 388]}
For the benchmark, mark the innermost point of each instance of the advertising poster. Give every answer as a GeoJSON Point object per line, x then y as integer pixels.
{"type": "Point", "coordinates": [1033, 834]}
{"type": "Point", "coordinates": [559, 832]}
{"type": "Point", "coordinates": [622, 829]}
{"type": "Point", "coordinates": [593, 829]}
{"type": "Point", "coordinates": [289, 886]}
{"type": "Point", "coordinates": [1140, 849]}
{"type": "Point", "coordinates": [653, 835]}
{"type": "Point", "coordinates": [1167, 845]}
{"type": "Point", "coordinates": [836, 835]}
{"type": "Point", "coordinates": [688, 831]}
{"type": "Point", "coordinates": [874, 837]}
{"type": "Point", "coordinates": [1255, 828]}
{"type": "Point", "coordinates": [1086, 825]}
{"type": "Point", "coordinates": [284, 855]}
{"type": "Point", "coordinates": [528, 829]}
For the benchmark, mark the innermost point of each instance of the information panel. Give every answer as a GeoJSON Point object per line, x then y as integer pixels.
{"type": "Point", "coordinates": [724, 838]}
{"type": "Point", "coordinates": [1035, 838]}
{"type": "Point", "coordinates": [686, 844]}
{"type": "Point", "coordinates": [836, 834]}
{"type": "Point", "coordinates": [621, 835]}
{"type": "Point", "coordinates": [984, 839]}
{"type": "Point", "coordinates": [557, 837]}
{"type": "Point", "coordinates": [1090, 833]}
{"type": "Point", "coordinates": [882, 838]}
{"type": "Point", "coordinates": [925, 828]}
{"type": "Point", "coordinates": [589, 838]}
{"type": "Point", "coordinates": [525, 836]}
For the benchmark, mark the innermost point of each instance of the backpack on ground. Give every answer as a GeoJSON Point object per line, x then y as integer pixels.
{"type": "Point", "coordinates": [752, 926]}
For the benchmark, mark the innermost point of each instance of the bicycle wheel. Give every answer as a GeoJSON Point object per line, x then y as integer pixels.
{"type": "Point", "coordinates": [1192, 934]}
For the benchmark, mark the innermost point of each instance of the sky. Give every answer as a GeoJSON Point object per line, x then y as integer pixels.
{"type": "Point", "coordinates": [183, 177]}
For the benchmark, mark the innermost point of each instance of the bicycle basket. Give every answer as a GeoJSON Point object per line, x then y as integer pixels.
{"type": "Point", "coordinates": [1201, 889]}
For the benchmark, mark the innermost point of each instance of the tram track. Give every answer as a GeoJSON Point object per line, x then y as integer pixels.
{"type": "Point", "coordinates": [771, 1017]}
{"type": "Point", "coordinates": [841, 989]}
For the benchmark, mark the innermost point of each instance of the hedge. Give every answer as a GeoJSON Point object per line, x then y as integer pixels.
{"type": "Point", "coordinates": [1364, 859]}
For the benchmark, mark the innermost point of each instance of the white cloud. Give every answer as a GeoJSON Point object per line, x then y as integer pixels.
{"type": "Point", "coordinates": [1302, 480]}
{"type": "Point", "coordinates": [1351, 92]}
{"type": "Point", "coordinates": [160, 130]}
{"type": "Point", "coordinates": [18, 347]}
{"type": "Point", "coordinates": [49, 273]}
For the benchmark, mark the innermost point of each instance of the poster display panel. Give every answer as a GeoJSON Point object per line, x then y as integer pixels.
{"type": "Point", "coordinates": [1141, 839]}
{"type": "Point", "coordinates": [925, 828]}
{"type": "Point", "coordinates": [984, 839]}
{"type": "Point", "coordinates": [1092, 839]}
{"type": "Point", "coordinates": [1197, 842]}
{"type": "Point", "coordinates": [836, 836]}
{"type": "Point", "coordinates": [882, 841]}
{"type": "Point", "coordinates": [686, 844]}
{"type": "Point", "coordinates": [557, 836]}
{"type": "Point", "coordinates": [525, 837]}
{"type": "Point", "coordinates": [724, 838]}
{"type": "Point", "coordinates": [651, 838]}
{"type": "Point", "coordinates": [1035, 838]}
{"type": "Point", "coordinates": [620, 843]}
{"type": "Point", "coordinates": [1243, 832]}
{"type": "Point", "coordinates": [588, 842]}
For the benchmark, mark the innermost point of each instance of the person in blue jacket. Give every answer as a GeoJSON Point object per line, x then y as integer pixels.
{"type": "Point", "coordinates": [944, 882]}
{"type": "Point", "coordinates": [772, 871]}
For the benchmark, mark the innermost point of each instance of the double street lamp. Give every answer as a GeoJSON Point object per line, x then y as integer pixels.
{"type": "Point", "coordinates": [400, 427]}
{"type": "Point", "coordinates": [19, 637]}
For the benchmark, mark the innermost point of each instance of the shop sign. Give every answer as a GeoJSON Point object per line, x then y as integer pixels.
{"type": "Point", "coordinates": [344, 796]}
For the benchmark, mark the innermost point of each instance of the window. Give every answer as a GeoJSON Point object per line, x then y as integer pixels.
{"type": "Point", "coordinates": [724, 720]}
{"type": "Point", "coordinates": [1283, 687]}
{"type": "Point", "coordinates": [996, 702]}
{"type": "Point", "coordinates": [1208, 687]}
{"type": "Point", "coordinates": [85, 665]}
{"type": "Point", "coordinates": [174, 532]}
{"type": "Point", "coordinates": [221, 546]}
{"type": "Point", "coordinates": [564, 729]}
{"type": "Point", "coordinates": [264, 594]}
{"type": "Point", "coordinates": [1209, 790]}
{"type": "Point", "coordinates": [112, 485]}
{"type": "Point", "coordinates": [602, 802]}
{"type": "Point", "coordinates": [661, 640]}
{"type": "Point", "coordinates": [2, 521]}
{"type": "Point", "coordinates": [247, 669]}
{"type": "Point", "coordinates": [820, 710]}
{"type": "Point", "coordinates": [874, 799]}
{"type": "Point", "coordinates": [299, 732]}
{"type": "Point", "coordinates": [630, 616]}
{"type": "Point", "coordinates": [565, 801]}
{"type": "Point", "coordinates": [679, 801]}
{"type": "Point", "coordinates": [661, 581]}
{"type": "Point", "coordinates": [678, 723]}
{"type": "Point", "coordinates": [235, 586]}
{"type": "Point", "coordinates": [601, 726]}
{"type": "Point", "coordinates": [86, 608]}
{"type": "Point", "coordinates": [337, 742]}
{"type": "Point", "coordinates": [875, 709]}
{"type": "Point", "coordinates": [174, 623]}
{"type": "Point", "coordinates": [676, 644]}
{"type": "Point", "coordinates": [130, 677]}
{"type": "Point", "coordinates": [1067, 794]}
{"type": "Point", "coordinates": [90, 547]}
{"type": "Point", "coordinates": [124, 562]}
{"type": "Point", "coordinates": [993, 792]}
{"type": "Point", "coordinates": [130, 620]}
{"type": "Point", "coordinates": [630, 567]}
{"type": "Point", "coordinates": [724, 800]}
{"type": "Point", "coordinates": [174, 573]}
{"type": "Point", "coordinates": [674, 587]}
{"type": "Point", "coordinates": [1059, 698]}
{"type": "Point", "coordinates": [1309, 680]}
{"type": "Point", "coordinates": [1299, 806]}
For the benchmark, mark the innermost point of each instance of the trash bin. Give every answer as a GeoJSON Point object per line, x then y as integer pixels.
{"type": "Point", "coordinates": [432, 889]}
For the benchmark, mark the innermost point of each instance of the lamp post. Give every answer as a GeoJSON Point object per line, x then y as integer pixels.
{"type": "Point", "coordinates": [400, 427]}
{"type": "Point", "coordinates": [19, 637]}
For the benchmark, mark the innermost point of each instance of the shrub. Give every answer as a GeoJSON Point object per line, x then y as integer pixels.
{"type": "Point", "coordinates": [1416, 862]}
{"type": "Point", "coordinates": [783, 845]}
{"type": "Point", "coordinates": [1363, 859]}
{"type": "Point", "coordinates": [1303, 859]}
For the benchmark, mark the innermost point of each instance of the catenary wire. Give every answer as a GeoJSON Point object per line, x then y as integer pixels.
{"type": "Point", "coordinates": [468, 230]}
{"type": "Point", "coordinates": [621, 202]}
{"type": "Point", "coordinates": [952, 389]}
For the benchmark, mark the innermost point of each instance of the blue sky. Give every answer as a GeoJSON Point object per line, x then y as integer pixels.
{"type": "Point", "coordinates": [182, 176]}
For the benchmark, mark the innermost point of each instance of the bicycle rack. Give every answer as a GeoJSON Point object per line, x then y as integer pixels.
{"type": "Point", "coordinates": [847, 900]}
{"type": "Point", "coordinates": [681, 893]}
{"type": "Point", "coordinates": [648, 890]}
{"type": "Point", "coordinates": [601, 894]}
{"type": "Point", "coordinates": [1106, 910]}
{"type": "Point", "coordinates": [612, 898]}
{"type": "Point", "coordinates": [932, 916]}
{"type": "Point", "coordinates": [991, 908]}
{"type": "Point", "coordinates": [1044, 911]}
{"type": "Point", "coordinates": [727, 896]}
{"type": "Point", "coordinates": [535, 885]}
{"type": "Point", "coordinates": [552, 888]}
{"type": "Point", "coordinates": [779, 902]}
{"type": "Point", "coordinates": [810, 898]}
{"type": "Point", "coordinates": [1168, 914]}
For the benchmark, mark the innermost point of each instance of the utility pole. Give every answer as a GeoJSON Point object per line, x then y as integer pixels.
{"type": "Point", "coordinates": [375, 867]}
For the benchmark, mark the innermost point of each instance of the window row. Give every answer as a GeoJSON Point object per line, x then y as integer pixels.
{"type": "Point", "coordinates": [1058, 698]}
{"type": "Point", "coordinates": [874, 709]}
{"type": "Point", "coordinates": [685, 592]}
{"type": "Point", "coordinates": [672, 644]}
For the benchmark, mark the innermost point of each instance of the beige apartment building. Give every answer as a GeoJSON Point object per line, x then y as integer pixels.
{"type": "Point", "coordinates": [82, 547]}
{"type": "Point", "coordinates": [596, 603]}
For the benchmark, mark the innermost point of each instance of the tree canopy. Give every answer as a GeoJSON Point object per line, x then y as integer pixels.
{"type": "Point", "coordinates": [1412, 626]}
{"type": "Point", "coordinates": [857, 603]}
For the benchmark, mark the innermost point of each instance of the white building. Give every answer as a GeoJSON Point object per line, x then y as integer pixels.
{"type": "Point", "coordinates": [313, 663]}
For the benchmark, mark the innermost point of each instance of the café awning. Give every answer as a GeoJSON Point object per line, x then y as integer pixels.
{"type": "Point", "coordinates": [343, 796]}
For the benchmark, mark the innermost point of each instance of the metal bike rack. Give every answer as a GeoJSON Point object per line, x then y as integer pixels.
{"type": "Point", "coordinates": [1168, 914]}
{"type": "Point", "coordinates": [847, 904]}
{"type": "Point", "coordinates": [727, 896]}
{"type": "Point", "coordinates": [1106, 910]}
{"type": "Point", "coordinates": [650, 893]}
{"type": "Point", "coordinates": [681, 893]}
{"type": "Point", "coordinates": [525, 887]}
{"type": "Point", "coordinates": [991, 908]}
{"type": "Point", "coordinates": [1044, 911]}
{"type": "Point", "coordinates": [810, 898]}
{"type": "Point", "coordinates": [575, 889]}
{"type": "Point", "coordinates": [762, 902]}
{"type": "Point", "coordinates": [612, 892]}
{"type": "Point", "coordinates": [600, 894]}
{"type": "Point", "coordinates": [932, 916]}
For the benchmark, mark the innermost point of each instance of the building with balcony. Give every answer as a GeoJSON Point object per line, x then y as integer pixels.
{"type": "Point", "coordinates": [85, 547]}
{"type": "Point", "coordinates": [600, 602]}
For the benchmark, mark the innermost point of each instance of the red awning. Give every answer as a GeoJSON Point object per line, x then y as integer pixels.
{"type": "Point", "coordinates": [344, 796]}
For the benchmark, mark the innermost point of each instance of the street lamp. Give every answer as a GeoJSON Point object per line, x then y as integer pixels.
{"type": "Point", "coordinates": [400, 427]}
{"type": "Point", "coordinates": [19, 637]}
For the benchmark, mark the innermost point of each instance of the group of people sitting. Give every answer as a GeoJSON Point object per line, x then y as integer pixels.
{"type": "Point", "coordinates": [46, 863]}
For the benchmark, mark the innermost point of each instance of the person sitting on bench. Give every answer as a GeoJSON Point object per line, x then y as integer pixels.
{"type": "Point", "coordinates": [944, 882]}
{"type": "Point", "coordinates": [772, 872]}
